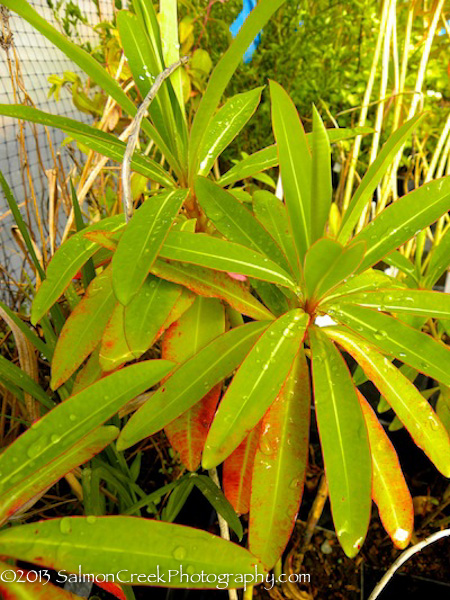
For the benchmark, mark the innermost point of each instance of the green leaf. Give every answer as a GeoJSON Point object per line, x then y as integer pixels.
{"type": "Point", "coordinates": [268, 157]}
{"type": "Point", "coordinates": [190, 382]}
{"type": "Point", "coordinates": [321, 186]}
{"type": "Point", "coordinates": [88, 270]}
{"type": "Point", "coordinates": [373, 176]}
{"type": "Point", "coordinates": [147, 315]}
{"type": "Point", "coordinates": [235, 222]}
{"type": "Point", "coordinates": [31, 483]}
{"type": "Point", "coordinates": [13, 207]}
{"type": "Point", "coordinates": [403, 301]}
{"type": "Point", "coordinates": [272, 297]}
{"type": "Point", "coordinates": [22, 380]}
{"type": "Point", "coordinates": [142, 240]}
{"type": "Point", "coordinates": [271, 213]}
{"type": "Point", "coordinates": [168, 23]}
{"type": "Point", "coordinates": [280, 466]}
{"type": "Point", "coordinates": [295, 165]}
{"type": "Point", "coordinates": [344, 441]}
{"type": "Point", "coordinates": [83, 329]}
{"type": "Point", "coordinates": [389, 489]}
{"type": "Point", "coordinates": [66, 263]}
{"type": "Point", "coordinates": [367, 281]}
{"type": "Point", "coordinates": [36, 457]}
{"type": "Point", "coordinates": [198, 326]}
{"type": "Point", "coordinates": [225, 126]}
{"type": "Point", "coordinates": [114, 348]}
{"type": "Point", "coordinates": [40, 346]}
{"type": "Point", "coordinates": [327, 264]}
{"type": "Point", "coordinates": [222, 74]}
{"type": "Point", "coordinates": [403, 219]}
{"type": "Point", "coordinates": [400, 262]}
{"type": "Point", "coordinates": [211, 252]}
{"type": "Point", "coordinates": [409, 405]}
{"type": "Point", "coordinates": [213, 284]}
{"type": "Point", "coordinates": [121, 545]}
{"type": "Point", "coordinates": [412, 347]}
{"type": "Point", "coordinates": [147, 15]}
{"type": "Point", "coordinates": [95, 139]}
{"type": "Point", "coordinates": [255, 386]}
{"type": "Point", "coordinates": [215, 497]}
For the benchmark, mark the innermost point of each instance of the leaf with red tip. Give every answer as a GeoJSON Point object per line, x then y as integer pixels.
{"type": "Point", "coordinates": [213, 284]}
{"type": "Point", "coordinates": [280, 465]}
{"type": "Point", "coordinates": [112, 588]}
{"type": "Point", "coordinates": [204, 321]}
{"type": "Point", "coordinates": [389, 489]}
{"type": "Point", "coordinates": [404, 398]}
{"type": "Point", "coordinates": [237, 472]}
{"type": "Point", "coordinates": [84, 328]}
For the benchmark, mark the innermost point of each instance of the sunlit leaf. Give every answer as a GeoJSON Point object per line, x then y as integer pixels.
{"type": "Point", "coordinates": [403, 219]}
{"type": "Point", "coordinates": [213, 284]}
{"type": "Point", "coordinates": [280, 466]}
{"type": "Point", "coordinates": [66, 263]}
{"type": "Point", "coordinates": [394, 337]}
{"type": "Point", "coordinates": [121, 544]}
{"type": "Point", "coordinates": [191, 381]}
{"type": "Point", "coordinates": [83, 329]}
{"type": "Point", "coordinates": [373, 175]}
{"type": "Point", "coordinates": [389, 489]}
{"type": "Point", "coordinates": [295, 165]}
{"type": "Point", "coordinates": [142, 240]}
{"type": "Point", "coordinates": [203, 322]}
{"type": "Point", "coordinates": [255, 386]}
{"type": "Point", "coordinates": [321, 186]}
{"type": "Point", "coordinates": [344, 441]}
{"type": "Point", "coordinates": [225, 125]}
{"type": "Point", "coordinates": [409, 405]}
{"type": "Point", "coordinates": [50, 447]}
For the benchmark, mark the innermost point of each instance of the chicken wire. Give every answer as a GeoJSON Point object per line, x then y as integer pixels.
{"type": "Point", "coordinates": [24, 50]}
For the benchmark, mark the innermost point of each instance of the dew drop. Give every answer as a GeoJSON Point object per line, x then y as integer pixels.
{"type": "Point", "coordinates": [179, 553]}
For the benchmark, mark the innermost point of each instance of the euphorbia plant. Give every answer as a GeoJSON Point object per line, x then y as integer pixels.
{"type": "Point", "coordinates": [191, 262]}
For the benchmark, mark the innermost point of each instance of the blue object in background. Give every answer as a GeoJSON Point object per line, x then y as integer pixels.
{"type": "Point", "coordinates": [248, 6]}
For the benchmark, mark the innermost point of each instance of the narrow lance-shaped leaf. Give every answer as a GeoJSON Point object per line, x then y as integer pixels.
{"type": "Point", "coordinates": [191, 381]}
{"type": "Point", "coordinates": [409, 405]}
{"type": "Point", "coordinates": [21, 379]}
{"type": "Point", "coordinates": [66, 263]}
{"type": "Point", "coordinates": [213, 284]}
{"type": "Point", "coordinates": [268, 157]}
{"type": "Point", "coordinates": [403, 219]}
{"type": "Point", "coordinates": [114, 349]}
{"type": "Point", "coordinates": [211, 252]}
{"type": "Point", "coordinates": [120, 545]}
{"type": "Point", "coordinates": [321, 187]}
{"type": "Point", "coordinates": [216, 498]}
{"type": "Point", "coordinates": [271, 213]}
{"type": "Point", "coordinates": [203, 322]}
{"type": "Point", "coordinates": [142, 240]}
{"type": "Point", "coordinates": [439, 260]}
{"type": "Point", "coordinates": [280, 466]}
{"type": "Point", "coordinates": [412, 347]}
{"type": "Point", "coordinates": [295, 165]}
{"type": "Point", "coordinates": [327, 263]}
{"type": "Point", "coordinates": [255, 386]}
{"type": "Point", "coordinates": [370, 280]}
{"type": "Point", "coordinates": [237, 472]}
{"type": "Point", "coordinates": [235, 222]}
{"type": "Point", "coordinates": [373, 175]}
{"type": "Point", "coordinates": [389, 489]}
{"type": "Point", "coordinates": [36, 458]}
{"type": "Point", "coordinates": [222, 74]}
{"type": "Point", "coordinates": [83, 329]}
{"type": "Point", "coordinates": [225, 126]}
{"type": "Point", "coordinates": [95, 139]}
{"type": "Point", "coordinates": [423, 303]}
{"type": "Point", "coordinates": [344, 441]}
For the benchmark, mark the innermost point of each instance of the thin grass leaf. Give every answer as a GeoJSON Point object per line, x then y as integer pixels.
{"type": "Point", "coordinates": [216, 498]}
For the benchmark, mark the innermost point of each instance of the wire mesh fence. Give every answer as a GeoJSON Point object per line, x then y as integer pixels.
{"type": "Point", "coordinates": [28, 153]}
